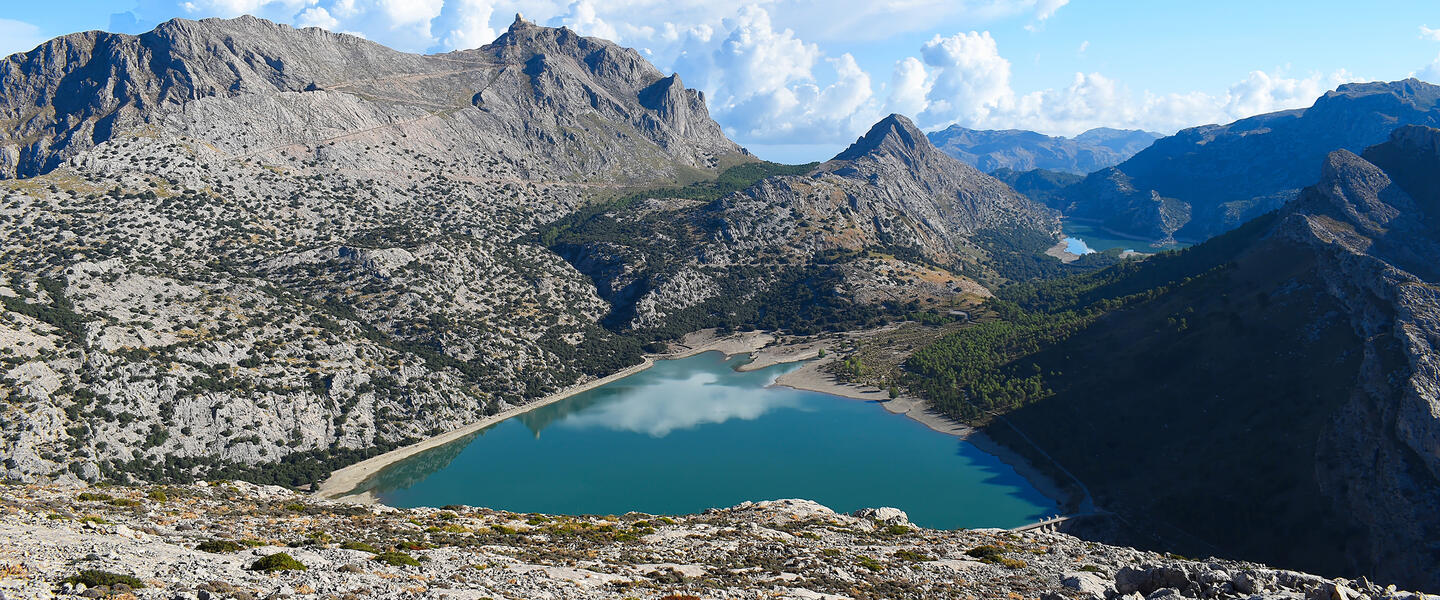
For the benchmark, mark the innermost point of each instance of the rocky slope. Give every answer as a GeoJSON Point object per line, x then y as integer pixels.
{"type": "Point", "coordinates": [888, 210]}
{"type": "Point", "coordinates": [564, 104]}
{"type": "Point", "coordinates": [1206, 180]}
{"type": "Point", "coordinates": [237, 243]}
{"type": "Point", "coordinates": [204, 541]}
{"type": "Point", "coordinates": [1294, 359]}
{"type": "Point", "coordinates": [1020, 150]}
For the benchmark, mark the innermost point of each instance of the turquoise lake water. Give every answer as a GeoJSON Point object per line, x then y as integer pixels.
{"type": "Point", "coordinates": [1081, 238]}
{"type": "Point", "coordinates": [692, 434]}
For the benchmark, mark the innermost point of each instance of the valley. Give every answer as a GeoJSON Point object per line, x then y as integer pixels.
{"type": "Point", "coordinates": [252, 266]}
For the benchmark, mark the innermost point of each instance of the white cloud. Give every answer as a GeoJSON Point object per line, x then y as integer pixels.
{"type": "Point", "coordinates": [1431, 72]}
{"type": "Point", "coordinates": [317, 17]}
{"type": "Point", "coordinates": [969, 79]}
{"type": "Point", "coordinates": [583, 17]}
{"type": "Point", "coordinates": [1044, 9]}
{"type": "Point", "coordinates": [909, 87]}
{"type": "Point", "coordinates": [1429, 34]}
{"type": "Point", "coordinates": [18, 36]}
{"type": "Point", "coordinates": [235, 8]}
{"type": "Point", "coordinates": [471, 28]}
{"type": "Point", "coordinates": [965, 80]}
{"type": "Point", "coordinates": [1085, 45]}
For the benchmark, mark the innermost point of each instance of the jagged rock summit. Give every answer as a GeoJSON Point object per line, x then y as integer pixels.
{"type": "Point", "coordinates": [528, 92]}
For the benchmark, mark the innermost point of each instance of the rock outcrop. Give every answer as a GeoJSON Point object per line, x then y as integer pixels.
{"type": "Point", "coordinates": [206, 541]}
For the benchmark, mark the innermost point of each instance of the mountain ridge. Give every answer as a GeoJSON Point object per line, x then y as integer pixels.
{"type": "Point", "coordinates": [1204, 180]}
{"type": "Point", "coordinates": [1022, 150]}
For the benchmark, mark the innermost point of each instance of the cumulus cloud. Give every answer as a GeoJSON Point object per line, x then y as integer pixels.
{"type": "Point", "coordinates": [969, 79]}
{"type": "Point", "coordinates": [470, 27]}
{"type": "Point", "coordinates": [18, 36]}
{"type": "Point", "coordinates": [235, 8]}
{"type": "Point", "coordinates": [965, 80]}
{"type": "Point", "coordinates": [317, 17]}
{"type": "Point", "coordinates": [1431, 72]}
{"type": "Point", "coordinates": [1429, 34]}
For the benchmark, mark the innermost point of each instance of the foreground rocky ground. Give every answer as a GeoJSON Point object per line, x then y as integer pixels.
{"type": "Point", "coordinates": [205, 541]}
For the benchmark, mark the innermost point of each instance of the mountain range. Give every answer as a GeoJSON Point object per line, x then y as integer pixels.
{"type": "Point", "coordinates": [1020, 150]}
{"type": "Point", "coordinates": [1206, 180]}
{"type": "Point", "coordinates": [239, 249]}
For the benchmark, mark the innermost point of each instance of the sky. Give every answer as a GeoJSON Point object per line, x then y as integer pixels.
{"type": "Point", "coordinates": [798, 80]}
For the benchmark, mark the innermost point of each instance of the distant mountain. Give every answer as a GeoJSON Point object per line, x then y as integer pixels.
{"type": "Point", "coordinates": [1041, 185]}
{"type": "Point", "coordinates": [1268, 395]}
{"type": "Point", "coordinates": [890, 208]}
{"type": "Point", "coordinates": [1019, 150]}
{"type": "Point", "coordinates": [1206, 180]}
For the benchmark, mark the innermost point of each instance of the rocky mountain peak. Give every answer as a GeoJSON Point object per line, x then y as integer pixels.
{"type": "Point", "coordinates": [894, 135]}
{"type": "Point", "coordinates": [520, 23]}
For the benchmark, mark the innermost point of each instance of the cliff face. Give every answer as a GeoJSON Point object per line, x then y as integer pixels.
{"type": "Point", "coordinates": [1294, 359]}
{"type": "Point", "coordinates": [1019, 150]}
{"type": "Point", "coordinates": [1374, 219]}
{"type": "Point", "coordinates": [1206, 180]}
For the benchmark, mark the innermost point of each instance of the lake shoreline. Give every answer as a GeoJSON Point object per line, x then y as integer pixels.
{"type": "Point", "coordinates": [763, 352]}
{"type": "Point", "coordinates": [345, 479]}
{"type": "Point", "coordinates": [811, 377]}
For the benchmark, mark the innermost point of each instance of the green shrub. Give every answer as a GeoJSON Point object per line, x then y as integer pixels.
{"type": "Point", "coordinates": [869, 563]}
{"type": "Point", "coordinates": [279, 561]}
{"type": "Point", "coordinates": [361, 546]}
{"type": "Point", "coordinates": [94, 497]}
{"type": "Point", "coordinates": [397, 559]}
{"type": "Point", "coordinates": [986, 553]}
{"type": "Point", "coordinates": [913, 556]}
{"type": "Point", "coordinates": [92, 578]}
{"type": "Point", "coordinates": [158, 496]}
{"type": "Point", "coordinates": [219, 546]}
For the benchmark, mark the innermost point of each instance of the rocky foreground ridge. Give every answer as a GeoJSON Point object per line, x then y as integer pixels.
{"type": "Point", "coordinates": [212, 541]}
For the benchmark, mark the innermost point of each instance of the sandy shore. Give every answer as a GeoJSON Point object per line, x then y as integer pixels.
{"type": "Point", "coordinates": [810, 377]}
{"type": "Point", "coordinates": [345, 479]}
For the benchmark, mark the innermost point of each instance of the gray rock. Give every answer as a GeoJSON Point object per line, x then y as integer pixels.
{"type": "Point", "coordinates": [1089, 584]}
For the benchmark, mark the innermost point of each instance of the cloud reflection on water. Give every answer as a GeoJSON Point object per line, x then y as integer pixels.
{"type": "Point", "coordinates": [677, 404]}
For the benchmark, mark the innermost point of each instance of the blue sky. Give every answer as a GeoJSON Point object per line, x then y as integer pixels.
{"type": "Point", "coordinates": [798, 79]}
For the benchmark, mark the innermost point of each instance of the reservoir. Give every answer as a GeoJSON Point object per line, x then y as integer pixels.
{"type": "Point", "coordinates": [1083, 238]}
{"type": "Point", "coordinates": [691, 434]}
